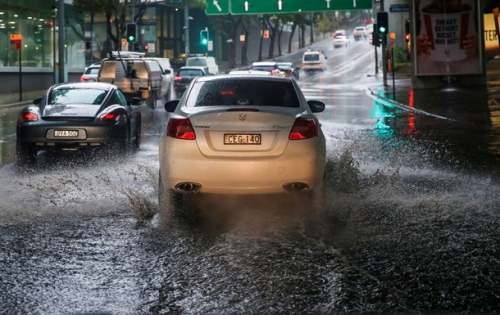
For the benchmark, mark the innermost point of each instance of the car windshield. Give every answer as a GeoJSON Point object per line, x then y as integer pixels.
{"type": "Point", "coordinates": [197, 62]}
{"type": "Point", "coordinates": [190, 73]}
{"type": "Point", "coordinates": [243, 92]}
{"type": "Point", "coordinates": [311, 57]}
{"type": "Point", "coordinates": [65, 96]}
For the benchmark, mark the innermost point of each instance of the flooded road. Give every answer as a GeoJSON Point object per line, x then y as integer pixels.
{"type": "Point", "coordinates": [409, 226]}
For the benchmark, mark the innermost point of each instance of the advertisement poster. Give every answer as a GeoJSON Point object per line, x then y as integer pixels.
{"type": "Point", "coordinates": [447, 40]}
{"type": "Point", "coordinates": [491, 45]}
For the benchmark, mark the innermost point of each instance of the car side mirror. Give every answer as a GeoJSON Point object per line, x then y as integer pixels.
{"type": "Point", "coordinates": [316, 106]}
{"type": "Point", "coordinates": [135, 101]}
{"type": "Point", "coordinates": [167, 71]}
{"type": "Point", "coordinates": [170, 106]}
{"type": "Point", "coordinates": [37, 101]}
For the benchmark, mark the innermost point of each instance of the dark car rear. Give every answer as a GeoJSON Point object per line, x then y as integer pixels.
{"type": "Point", "coordinates": [185, 76]}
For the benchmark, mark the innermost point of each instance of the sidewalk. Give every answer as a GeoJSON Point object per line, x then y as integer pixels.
{"type": "Point", "coordinates": [466, 104]}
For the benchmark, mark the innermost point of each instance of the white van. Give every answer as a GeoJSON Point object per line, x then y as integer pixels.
{"type": "Point", "coordinates": [203, 61]}
{"type": "Point", "coordinates": [168, 77]}
{"type": "Point", "coordinates": [313, 60]}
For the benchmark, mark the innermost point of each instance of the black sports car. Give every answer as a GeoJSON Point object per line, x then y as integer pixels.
{"type": "Point", "coordinates": [78, 116]}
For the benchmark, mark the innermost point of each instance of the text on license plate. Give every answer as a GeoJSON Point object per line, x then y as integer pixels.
{"type": "Point", "coordinates": [242, 138]}
{"type": "Point", "coordinates": [65, 133]}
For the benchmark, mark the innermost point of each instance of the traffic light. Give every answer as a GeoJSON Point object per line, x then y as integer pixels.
{"type": "Point", "coordinates": [383, 23]}
{"type": "Point", "coordinates": [204, 37]}
{"type": "Point", "coordinates": [407, 38]}
{"type": "Point", "coordinates": [131, 32]}
{"type": "Point", "coordinates": [146, 48]}
{"type": "Point", "coordinates": [375, 39]}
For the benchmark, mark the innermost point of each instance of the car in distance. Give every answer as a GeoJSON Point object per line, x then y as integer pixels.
{"type": "Point", "coordinates": [168, 77]}
{"type": "Point", "coordinates": [240, 135]}
{"type": "Point", "coordinates": [91, 73]}
{"type": "Point", "coordinates": [184, 77]}
{"type": "Point", "coordinates": [78, 116]}
{"type": "Point", "coordinates": [203, 61]}
{"type": "Point", "coordinates": [270, 66]}
{"type": "Point", "coordinates": [288, 70]}
{"type": "Point", "coordinates": [313, 60]}
{"type": "Point", "coordinates": [340, 39]}
{"type": "Point", "coordinates": [359, 32]}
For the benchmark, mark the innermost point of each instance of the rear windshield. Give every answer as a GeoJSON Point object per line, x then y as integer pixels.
{"type": "Point", "coordinates": [243, 93]}
{"type": "Point", "coordinates": [64, 96]}
{"type": "Point", "coordinates": [190, 73]}
{"type": "Point", "coordinates": [198, 62]}
{"type": "Point", "coordinates": [311, 57]}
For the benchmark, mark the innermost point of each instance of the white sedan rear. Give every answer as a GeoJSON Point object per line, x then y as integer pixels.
{"type": "Point", "coordinates": [241, 135]}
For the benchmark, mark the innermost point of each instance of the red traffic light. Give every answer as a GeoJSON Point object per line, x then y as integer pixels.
{"type": "Point", "coordinates": [407, 38]}
{"type": "Point", "coordinates": [146, 48]}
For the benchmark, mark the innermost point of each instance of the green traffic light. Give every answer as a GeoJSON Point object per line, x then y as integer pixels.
{"type": "Point", "coordinates": [204, 41]}
{"type": "Point", "coordinates": [382, 30]}
{"type": "Point", "coordinates": [131, 38]}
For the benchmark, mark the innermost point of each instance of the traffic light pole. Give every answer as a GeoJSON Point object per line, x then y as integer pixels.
{"type": "Point", "coordinates": [186, 31]}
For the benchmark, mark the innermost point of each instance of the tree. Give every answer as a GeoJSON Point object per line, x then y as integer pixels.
{"type": "Point", "coordinates": [228, 25]}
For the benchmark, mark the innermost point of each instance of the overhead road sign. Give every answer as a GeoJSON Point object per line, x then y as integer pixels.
{"type": "Point", "coordinates": [294, 6]}
{"type": "Point", "coordinates": [215, 7]}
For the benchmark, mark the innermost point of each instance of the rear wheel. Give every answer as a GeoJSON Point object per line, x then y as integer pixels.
{"type": "Point", "coordinates": [26, 154]}
{"type": "Point", "coordinates": [152, 100]}
{"type": "Point", "coordinates": [137, 142]}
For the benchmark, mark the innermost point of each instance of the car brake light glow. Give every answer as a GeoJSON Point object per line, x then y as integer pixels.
{"type": "Point", "coordinates": [180, 128]}
{"type": "Point", "coordinates": [84, 79]}
{"type": "Point", "coordinates": [110, 117]}
{"type": "Point", "coordinates": [275, 71]}
{"type": "Point", "coordinates": [227, 92]}
{"type": "Point", "coordinates": [178, 78]}
{"type": "Point", "coordinates": [25, 117]}
{"type": "Point", "coordinates": [304, 129]}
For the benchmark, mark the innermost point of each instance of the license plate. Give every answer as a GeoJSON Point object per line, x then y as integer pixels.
{"type": "Point", "coordinates": [242, 138]}
{"type": "Point", "coordinates": [65, 133]}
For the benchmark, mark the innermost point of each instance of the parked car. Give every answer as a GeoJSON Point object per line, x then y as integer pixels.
{"type": "Point", "coordinates": [287, 69]}
{"type": "Point", "coordinates": [78, 116]}
{"type": "Point", "coordinates": [241, 135]}
{"type": "Point", "coordinates": [168, 77]}
{"type": "Point", "coordinates": [91, 73]}
{"type": "Point", "coordinates": [340, 39]}
{"type": "Point", "coordinates": [359, 32]}
{"type": "Point", "coordinates": [270, 66]}
{"type": "Point", "coordinates": [185, 76]}
{"type": "Point", "coordinates": [203, 61]}
{"type": "Point", "coordinates": [313, 60]}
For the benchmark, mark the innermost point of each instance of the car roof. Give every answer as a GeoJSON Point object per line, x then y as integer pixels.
{"type": "Point", "coordinates": [312, 52]}
{"type": "Point", "coordinates": [202, 68]}
{"type": "Point", "coordinates": [340, 31]}
{"type": "Point", "coordinates": [86, 85]}
{"type": "Point", "coordinates": [264, 63]}
{"type": "Point", "coordinates": [243, 77]}
{"type": "Point", "coordinates": [250, 71]}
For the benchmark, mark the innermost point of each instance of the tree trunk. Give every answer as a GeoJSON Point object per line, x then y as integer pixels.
{"type": "Point", "coordinates": [290, 39]}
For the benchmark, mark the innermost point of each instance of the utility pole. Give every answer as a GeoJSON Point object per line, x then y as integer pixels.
{"type": "Point", "coordinates": [62, 42]}
{"type": "Point", "coordinates": [186, 31]}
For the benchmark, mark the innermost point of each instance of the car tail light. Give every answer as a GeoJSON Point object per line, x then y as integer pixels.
{"type": "Point", "coordinates": [291, 70]}
{"type": "Point", "coordinates": [83, 79]}
{"type": "Point", "coordinates": [227, 92]}
{"type": "Point", "coordinates": [275, 71]}
{"type": "Point", "coordinates": [110, 117]}
{"type": "Point", "coordinates": [25, 117]}
{"type": "Point", "coordinates": [180, 128]}
{"type": "Point", "coordinates": [304, 129]}
{"type": "Point", "coordinates": [178, 78]}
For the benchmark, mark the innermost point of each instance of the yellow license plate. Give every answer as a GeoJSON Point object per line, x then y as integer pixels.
{"type": "Point", "coordinates": [242, 138]}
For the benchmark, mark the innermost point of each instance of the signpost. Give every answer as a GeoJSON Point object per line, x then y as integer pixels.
{"type": "Point", "coordinates": [215, 7]}
{"type": "Point", "coordinates": [236, 7]}
{"type": "Point", "coordinates": [15, 44]}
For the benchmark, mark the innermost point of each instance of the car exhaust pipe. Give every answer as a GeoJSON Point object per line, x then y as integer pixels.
{"type": "Point", "coordinates": [188, 188]}
{"type": "Point", "coordinates": [296, 187]}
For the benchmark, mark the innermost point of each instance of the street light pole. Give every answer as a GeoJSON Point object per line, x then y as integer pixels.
{"type": "Point", "coordinates": [62, 42]}
{"type": "Point", "coordinates": [54, 13]}
{"type": "Point", "coordinates": [186, 31]}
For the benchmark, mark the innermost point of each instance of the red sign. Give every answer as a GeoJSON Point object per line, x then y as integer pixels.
{"type": "Point", "coordinates": [15, 41]}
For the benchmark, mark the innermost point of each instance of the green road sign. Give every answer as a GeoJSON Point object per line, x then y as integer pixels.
{"type": "Point", "coordinates": [294, 6]}
{"type": "Point", "coordinates": [215, 7]}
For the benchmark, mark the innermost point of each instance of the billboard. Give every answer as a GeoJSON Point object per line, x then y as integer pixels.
{"type": "Point", "coordinates": [447, 37]}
